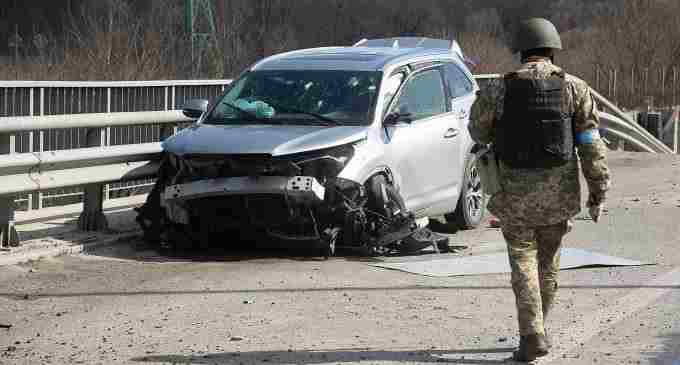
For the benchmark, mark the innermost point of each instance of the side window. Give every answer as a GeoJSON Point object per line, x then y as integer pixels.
{"type": "Point", "coordinates": [459, 85]}
{"type": "Point", "coordinates": [423, 96]}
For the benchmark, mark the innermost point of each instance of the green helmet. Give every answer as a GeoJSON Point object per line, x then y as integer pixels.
{"type": "Point", "coordinates": [536, 33]}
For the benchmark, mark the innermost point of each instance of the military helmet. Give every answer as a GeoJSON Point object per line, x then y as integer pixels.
{"type": "Point", "coordinates": [536, 33]}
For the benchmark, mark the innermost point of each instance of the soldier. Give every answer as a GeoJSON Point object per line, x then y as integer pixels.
{"type": "Point", "coordinates": [539, 119]}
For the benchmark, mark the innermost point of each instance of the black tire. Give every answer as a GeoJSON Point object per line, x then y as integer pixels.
{"type": "Point", "coordinates": [471, 207]}
{"type": "Point", "coordinates": [383, 198]}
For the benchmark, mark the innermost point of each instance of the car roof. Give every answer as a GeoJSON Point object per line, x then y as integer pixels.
{"type": "Point", "coordinates": [366, 55]}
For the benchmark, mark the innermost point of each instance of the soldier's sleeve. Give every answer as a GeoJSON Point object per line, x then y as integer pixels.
{"type": "Point", "coordinates": [591, 149]}
{"type": "Point", "coordinates": [486, 109]}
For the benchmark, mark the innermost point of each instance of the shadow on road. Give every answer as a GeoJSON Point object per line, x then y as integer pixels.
{"type": "Point", "coordinates": [227, 250]}
{"type": "Point", "coordinates": [497, 356]}
{"type": "Point", "coordinates": [232, 247]}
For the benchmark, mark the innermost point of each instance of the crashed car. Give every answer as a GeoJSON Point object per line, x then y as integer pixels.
{"type": "Point", "coordinates": [337, 146]}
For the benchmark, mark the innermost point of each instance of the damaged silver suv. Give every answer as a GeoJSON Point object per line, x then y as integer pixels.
{"type": "Point", "coordinates": [338, 146]}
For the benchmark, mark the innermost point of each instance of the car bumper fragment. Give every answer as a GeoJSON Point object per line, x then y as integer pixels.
{"type": "Point", "coordinates": [300, 189]}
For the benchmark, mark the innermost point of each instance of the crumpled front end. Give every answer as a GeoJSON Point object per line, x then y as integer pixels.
{"type": "Point", "coordinates": [296, 197]}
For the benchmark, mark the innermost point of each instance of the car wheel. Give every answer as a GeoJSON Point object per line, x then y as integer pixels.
{"type": "Point", "coordinates": [471, 206]}
{"type": "Point", "coordinates": [383, 198]}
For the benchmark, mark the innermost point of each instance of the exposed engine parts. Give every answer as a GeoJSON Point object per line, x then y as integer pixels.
{"type": "Point", "coordinates": [197, 198]}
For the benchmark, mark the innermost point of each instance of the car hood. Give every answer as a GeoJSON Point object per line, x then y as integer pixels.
{"type": "Point", "coordinates": [260, 139]}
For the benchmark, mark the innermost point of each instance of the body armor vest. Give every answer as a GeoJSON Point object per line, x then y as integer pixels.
{"type": "Point", "coordinates": [535, 131]}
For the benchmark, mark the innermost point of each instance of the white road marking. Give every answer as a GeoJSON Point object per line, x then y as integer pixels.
{"type": "Point", "coordinates": [617, 312]}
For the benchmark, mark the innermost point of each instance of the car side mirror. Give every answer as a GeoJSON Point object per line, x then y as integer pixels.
{"type": "Point", "coordinates": [194, 108]}
{"type": "Point", "coordinates": [395, 118]}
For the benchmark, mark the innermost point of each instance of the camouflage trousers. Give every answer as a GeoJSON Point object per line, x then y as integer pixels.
{"type": "Point", "coordinates": [534, 254]}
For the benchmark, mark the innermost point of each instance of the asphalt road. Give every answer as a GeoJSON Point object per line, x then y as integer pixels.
{"type": "Point", "coordinates": [134, 306]}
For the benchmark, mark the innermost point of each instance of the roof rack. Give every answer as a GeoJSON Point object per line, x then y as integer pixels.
{"type": "Point", "coordinates": [413, 42]}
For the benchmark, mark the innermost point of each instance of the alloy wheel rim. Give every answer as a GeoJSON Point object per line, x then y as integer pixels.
{"type": "Point", "coordinates": [474, 194]}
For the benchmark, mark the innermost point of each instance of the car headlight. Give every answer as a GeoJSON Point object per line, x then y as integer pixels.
{"type": "Point", "coordinates": [326, 163]}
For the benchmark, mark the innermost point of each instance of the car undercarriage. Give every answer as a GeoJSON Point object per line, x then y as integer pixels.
{"type": "Point", "coordinates": [292, 198]}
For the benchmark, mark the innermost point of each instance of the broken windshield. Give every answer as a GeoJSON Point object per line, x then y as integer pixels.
{"type": "Point", "coordinates": [299, 97]}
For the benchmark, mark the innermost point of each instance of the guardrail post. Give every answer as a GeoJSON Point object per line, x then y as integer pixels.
{"type": "Point", "coordinates": [8, 233]}
{"type": "Point", "coordinates": [620, 145]}
{"type": "Point", "coordinates": [92, 218]}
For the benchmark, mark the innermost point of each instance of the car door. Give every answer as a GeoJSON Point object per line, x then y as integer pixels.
{"type": "Point", "coordinates": [420, 150]}
{"type": "Point", "coordinates": [460, 94]}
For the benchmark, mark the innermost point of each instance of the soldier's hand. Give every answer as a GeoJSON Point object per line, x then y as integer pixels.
{"type": "Point", "coordinates": [595, 206]}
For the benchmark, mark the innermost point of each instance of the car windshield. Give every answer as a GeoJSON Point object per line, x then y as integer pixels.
{"type": "Point", "coordinates": [299, 97]}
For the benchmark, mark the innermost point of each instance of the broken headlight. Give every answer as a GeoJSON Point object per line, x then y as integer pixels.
{"type": "Point", "coordinates": [326, 163]}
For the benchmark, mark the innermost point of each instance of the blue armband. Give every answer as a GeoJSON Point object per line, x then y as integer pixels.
{"type": "Point", "coordinates": [588, 137]}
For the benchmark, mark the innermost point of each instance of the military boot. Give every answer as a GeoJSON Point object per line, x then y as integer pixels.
{"type": "Point", "coordinates": [530, 348]}
{"type": "Point", "coordinates": [547, 340]}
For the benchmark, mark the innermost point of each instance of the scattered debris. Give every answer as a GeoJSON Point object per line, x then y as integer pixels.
{"type": "Point", "coordinates": [248, 301]}
{"type": "Point", "coordinates": [424, 238]}
{"type": "Point", "coordinates": [236, 338]}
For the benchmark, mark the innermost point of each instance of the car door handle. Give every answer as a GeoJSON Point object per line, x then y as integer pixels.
{"type": "Point", "coordinates": [451, 133]}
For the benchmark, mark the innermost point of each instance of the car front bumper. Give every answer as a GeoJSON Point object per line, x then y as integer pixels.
{"type": "Point", "coordinates": [297, 189]}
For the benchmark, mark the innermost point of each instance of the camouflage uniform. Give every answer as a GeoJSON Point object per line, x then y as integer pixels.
{"type": "Point", "coordinates": [535, 206]}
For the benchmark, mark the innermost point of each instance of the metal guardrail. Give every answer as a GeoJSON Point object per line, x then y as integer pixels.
{"type": "Point", "coordinates": [45, 98]}
{"type": "Point", "coordinates": [56, 136]}
{"type": "Point", "coordinates": [96, 161]}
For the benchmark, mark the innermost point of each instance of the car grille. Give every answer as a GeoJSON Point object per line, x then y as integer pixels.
{"type": "Point", "coordinates": [216, 166]}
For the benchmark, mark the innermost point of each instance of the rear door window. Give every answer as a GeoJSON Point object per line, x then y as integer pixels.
{"type": "Point", "coordinates": [456, 80]}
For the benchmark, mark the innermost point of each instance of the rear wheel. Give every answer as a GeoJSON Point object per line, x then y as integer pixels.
{"type": "Point", "coordinates": [471, 206]}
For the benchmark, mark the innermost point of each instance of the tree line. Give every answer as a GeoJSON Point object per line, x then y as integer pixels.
{"type": "Point", "coordinates": [630, 48]}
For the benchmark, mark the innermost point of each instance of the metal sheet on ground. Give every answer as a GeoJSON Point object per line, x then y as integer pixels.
{"type": "Point", "coordinates": [497, 263]}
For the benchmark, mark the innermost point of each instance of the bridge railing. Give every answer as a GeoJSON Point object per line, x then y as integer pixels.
{"type": "Point", "coordinates": [66, 98]}
{"type": "Point", "coordinates": [81, 141]}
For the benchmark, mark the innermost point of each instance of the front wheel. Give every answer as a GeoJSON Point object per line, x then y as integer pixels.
{"type": "Point", "coordinates": [471, 207]}
{"type": "Point", "coordinates": [383, 198]}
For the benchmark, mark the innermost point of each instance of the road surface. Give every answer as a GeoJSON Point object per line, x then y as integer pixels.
{"type": "Point", "coordinates": [130, 305]}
